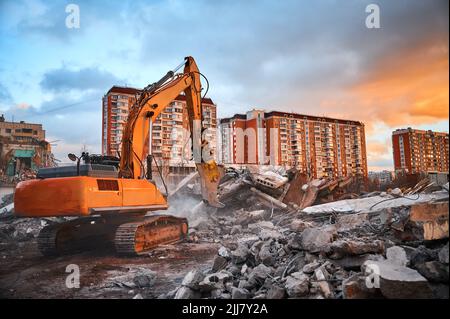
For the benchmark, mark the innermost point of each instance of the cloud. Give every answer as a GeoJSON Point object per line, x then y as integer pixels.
{"type": "Point", "coordinates": [74, 120]}
{"type": "Point", "coordinates": [91, 78]}
{"type": "Point", "coordinates": [379, 154]}
{"type": "Point", "coordinates": [4, 93]}
{"type": "Point", "coordinates": [23, 106]}
{"type": "Point", "coordinates": [377, 148]}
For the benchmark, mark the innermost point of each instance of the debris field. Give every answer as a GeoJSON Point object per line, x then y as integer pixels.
{"type": "Point", "coordinates": [278, 235]}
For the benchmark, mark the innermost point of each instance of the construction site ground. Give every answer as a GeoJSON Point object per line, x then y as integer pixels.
{"type": "Point", "coordinates": [25, 273]}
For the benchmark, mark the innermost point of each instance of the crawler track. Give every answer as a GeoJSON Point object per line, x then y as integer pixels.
{"type": "Point", "coordinates": [139, 237]}
{"type": "Point", "coordinates": [130, 236]}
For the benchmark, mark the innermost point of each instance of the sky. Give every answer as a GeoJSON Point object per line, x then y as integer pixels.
{"type": "Point", "coordinates": [308, 57]}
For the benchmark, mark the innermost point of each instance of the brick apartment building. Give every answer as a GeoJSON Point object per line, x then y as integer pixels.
{"type": "Point", "coordinates": [23, 146]}
{"type": "Point", "coordinates": [318, 146]}
{"type": "Point", "coordinates": [417, 151]}
{"type": "Point", "coordinates": [169, 143]}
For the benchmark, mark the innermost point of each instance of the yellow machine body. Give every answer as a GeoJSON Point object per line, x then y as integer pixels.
{"type": "Point", "coordinates": [85, 195]}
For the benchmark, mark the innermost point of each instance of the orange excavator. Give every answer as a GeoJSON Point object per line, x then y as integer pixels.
{"type": "Point", "coordinates": [119, 205]}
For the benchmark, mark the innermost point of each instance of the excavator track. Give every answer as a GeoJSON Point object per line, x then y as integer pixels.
{"type": "Point", "coordinates": [47, 240]}
{"type": "Point", "coordinates": [76, 235]}
{"type": "Point", "coordinates": [134, 235]}
{"type": "Point", "coordinates": [139, 237]}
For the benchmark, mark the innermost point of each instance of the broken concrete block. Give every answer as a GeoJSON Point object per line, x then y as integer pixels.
{"type": "Point", "coordinates": [135, 277]}
{"type": "Point", "coordinates": [240, 254]}
{"type": "Point", "coordinates": [258, 275]}
{"type": "Point", "coordinates": [422, 254]}
{"type": "Point", "coordinates": [297, 285]}
{"type": "Point", "coordinates": [309, 268]}
{"type": "Point", "coordinates": [443, 255]}
{"type": "Point", "coordinates": [256, 227]}
{"type": "Point", "coordinates": [216, 293]}
{"type": "Point", "coordinates": [244, 269]}
{"type": "Point", "coordinates": [215, 281]}
{"type": "Point", "coordinates": [397, 282]}
{"type": "Point", "coordinates": [243, 283]}
{"type": "Point", "coordinates": [267, 255]}
{"type": "Point", "coordinates": [248, 240]}
{"type": "Point", "coordinates": [236, 229]}
{"type": "Point", "coordinates": [355, 287]}
{"type": "Point", "coordinates": [256, 247]}
{"type": "Point", "coordinates": [295, 242]}
{"type": "Point", "coordinates": [239, 293]}
{"type": "Point", "coordinates": [187, 293]}
{"type": "Point", "coordinates": [138, 296]}
{"type": "Point", "coordinates": [322, 276]}
{"type": "Point", "coordinates": [316, 239]}
{"type": "Point", "coordinates": [192, 279]}
{"type": "Point", "coordinates": [219, 263]}
{"type": "Point", "coordinates": [224, 252]}
{"type": "Point", "coordinates": [276, 292]}
{"type": "Point", "coordinates": [350, 221]}
{"type": "Point", "coordinates": [397, 255]}
{"type": "Point", "coordinates": [234, 270]}
{"type": "Point", "coordinates": [246, 218]}
{"type": "Point", "coordinates": [396, 192]}
{"type": "Point", "coordinates": [434, 271]}
{"type": "Point", "coordinates": [144, 280]}
{"type": "Point", "coordinates": [342, 248]}
{"type": "Point", "coordinates": [299, 225]}
{"type": "Point", "coordinates": [265, 234]}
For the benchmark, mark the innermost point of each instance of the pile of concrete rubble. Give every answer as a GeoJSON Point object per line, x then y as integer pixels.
{"type": "Point", "coordinates": [377, 245]}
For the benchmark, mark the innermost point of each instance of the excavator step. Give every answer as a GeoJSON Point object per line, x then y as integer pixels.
{"type": "Point", "coordinates": [137, 238]}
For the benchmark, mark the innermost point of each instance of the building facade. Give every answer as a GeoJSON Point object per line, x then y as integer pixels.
{"type": "Point", "coordinates": [318, 146]}
{"type": "Point", "coordinates": [417, 151]}
{"type": "Point", "coordinates": [384, 177]}
{"type": "Point", "coordinates": [23, 146]}
{"type": "Point", "coordinates": [170, 130]}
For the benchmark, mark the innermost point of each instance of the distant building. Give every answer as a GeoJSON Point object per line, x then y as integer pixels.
{"type": "Point", "coordinates": [168, 143]}
{"type": "Point", "coordinates": [318, 146]}
{"type": "Point", "coordinates": [23, 146]}
{"type": "Point", "coordinates": [384, 177]}
{"type": "Point", "coordinates": [417, 151]}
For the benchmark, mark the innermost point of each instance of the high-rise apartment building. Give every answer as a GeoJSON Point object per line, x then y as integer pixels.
{"type": "Point", "coordinates": [170, 137]}
{"type": "Point", "coordinates": [417, 151]}
{"type": "Point", "coordinates": [319, 146]}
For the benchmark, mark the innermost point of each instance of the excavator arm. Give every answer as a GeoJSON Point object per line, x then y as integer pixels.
{"type": "Point", "coordinates": [151, 102]}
